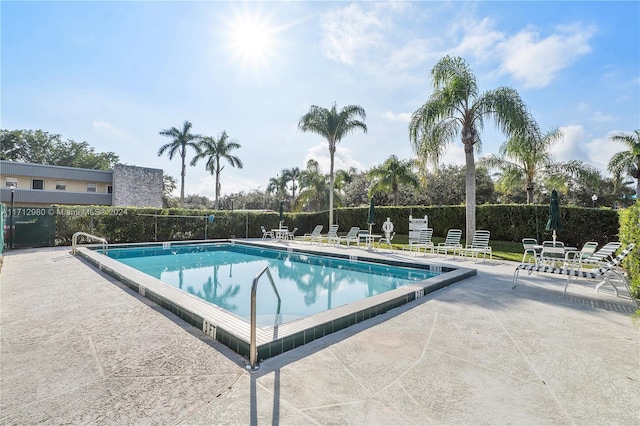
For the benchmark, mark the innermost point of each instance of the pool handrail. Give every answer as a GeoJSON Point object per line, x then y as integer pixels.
{"type": "Point", "coordinates": [253, 348]}
{"type": "Point", "coordinates": [74, 240]}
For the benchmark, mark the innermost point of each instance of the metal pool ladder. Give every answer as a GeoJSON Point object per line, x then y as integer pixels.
{"type": "Point", "coordinates": [74, 240]}
{"type": "Point", "coordinates": [253, 349]}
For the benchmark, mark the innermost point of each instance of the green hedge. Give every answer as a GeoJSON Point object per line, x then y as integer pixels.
{"type": "Point", "coordinates": [630, 233]}
{"type": "Point", "coordinates": [506, 222]}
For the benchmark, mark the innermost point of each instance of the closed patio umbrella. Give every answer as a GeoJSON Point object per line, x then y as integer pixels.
{"type": "Point", "coordinates": [554, 214]}
{"type": "Point", "coordinates": [371, 220]}
{"type": "Point", "coordinates": [281, 213]}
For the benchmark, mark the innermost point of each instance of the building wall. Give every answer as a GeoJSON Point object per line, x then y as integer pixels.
{"type": "Point", "coordinates": [137, 186]}
{"type": "Point", "coordinates": [26, 182]}
{"type": "Point", "coordinates": [134, 186]}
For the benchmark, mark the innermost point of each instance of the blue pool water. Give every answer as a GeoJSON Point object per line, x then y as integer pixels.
{"type": "Point", "coordinates": [223, 273]}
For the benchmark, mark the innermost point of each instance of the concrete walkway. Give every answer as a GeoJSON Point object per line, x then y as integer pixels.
{"type": "Point", "coordinates": [78, 347]}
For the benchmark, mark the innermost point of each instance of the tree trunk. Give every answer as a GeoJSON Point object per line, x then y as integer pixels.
{"type": "Point", "coordinates": [470, 197]}
{"type": "Point", "coordinates": [182, 183]}
{"type": "Point", "coordinates": [332, 151]}
{"type": "Point", "coordinates": [217, 205]}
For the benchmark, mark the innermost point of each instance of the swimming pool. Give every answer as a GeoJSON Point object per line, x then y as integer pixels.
{"type": "Point", "coordinates": [283, 334]}
{"type": "Point", "coordinates": [221, 273]}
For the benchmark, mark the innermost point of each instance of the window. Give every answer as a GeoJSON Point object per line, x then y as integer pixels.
{"type": "Point", "coordinates": [109, 189]}
{"type": "Point", "coordinates": [11, 182]}
{"type": "Point", "coordinates": [91, 187]}
{"type": "Point", "coordinates": [37, 184]}
{"type": "Point", "coordinates": [61, 185]}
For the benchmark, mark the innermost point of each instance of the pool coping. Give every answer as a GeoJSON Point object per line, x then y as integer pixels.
{"type": "Point", "coordinates": [234, 331]}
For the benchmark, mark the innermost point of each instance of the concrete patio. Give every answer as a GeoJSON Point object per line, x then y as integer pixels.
{"type": "Point", "coordinates": [78, 347]}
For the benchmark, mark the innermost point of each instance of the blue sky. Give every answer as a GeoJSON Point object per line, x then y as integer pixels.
{"type": "Point", "coordinates": [116, 73]}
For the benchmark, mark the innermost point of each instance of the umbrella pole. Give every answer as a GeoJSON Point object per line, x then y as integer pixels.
{"type": "Point", "coordinates": [370, 226]}
{"type": "Point", "coordinates": [554, 237]}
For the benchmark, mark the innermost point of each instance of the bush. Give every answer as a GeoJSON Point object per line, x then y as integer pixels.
{"type": "Point", "coordinates": [506, 222]}
{"type": "Point", "coordinates": [630, 233]}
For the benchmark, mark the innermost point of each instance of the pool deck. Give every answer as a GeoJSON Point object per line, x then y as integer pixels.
{"type": "Point", "coordinates": [76, 346]}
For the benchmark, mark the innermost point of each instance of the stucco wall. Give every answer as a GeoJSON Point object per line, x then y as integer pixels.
{"type": "Point", "coordinates": [137, 186]}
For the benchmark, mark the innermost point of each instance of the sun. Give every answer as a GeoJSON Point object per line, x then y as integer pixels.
{"type": "Point", "coordinates": [252, 40]}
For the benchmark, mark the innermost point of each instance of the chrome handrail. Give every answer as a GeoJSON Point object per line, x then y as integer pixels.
{"type": "Point", "coordinates": [253, 348]}
{"type": "Point", "coordinates": [74, 240]}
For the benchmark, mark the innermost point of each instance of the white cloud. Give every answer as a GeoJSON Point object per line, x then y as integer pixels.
{"type": "Point", "coordinates": [479, 38]}
{"type": "Point", "coordinates": [351, 30]}
{"type": "Point", "coordinates": [343, 158]}
{"type": "Point", "coordinates": [404, 117]}
{"type": "Point", "coordinates": [601, 117]}
{"type": "Point", "coordinates": [579, 145]}
{"type": "Point", "coordinates": [535, 60]}
{"type": "Point", "coordinates": [572, 145]}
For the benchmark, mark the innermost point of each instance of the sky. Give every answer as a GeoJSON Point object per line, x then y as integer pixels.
{"type": "Point", "coordinates": [116, 73]}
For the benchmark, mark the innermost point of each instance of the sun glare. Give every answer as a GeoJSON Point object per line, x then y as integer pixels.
{"type": "Point", "coordinates": [252, 41]}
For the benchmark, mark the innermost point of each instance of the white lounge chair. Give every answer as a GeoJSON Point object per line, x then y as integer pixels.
{"type": "Point", "coordinates": [423, 242]}
{"type": "Point", "coordinates": [602, 256]}
{"type": "Point", "coordinates": [604, 272]}
{"type": "Point", "coordinates": [451, 243]}
{"type": "Point", "coordinates": [331, 236]}
{"type": "Point", "coordinates": [313, 235]}
{"type": "Point", "coordinates": [479, 245]}
{"type": "Point", "coordinates": [351, 237]}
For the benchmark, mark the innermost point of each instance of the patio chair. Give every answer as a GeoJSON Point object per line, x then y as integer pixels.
{"type": "Point", "coordinates": [529, 246]}
{"type": "Point", "coordinates": [423, 242]}
{"type": "Point", "coordinates": [479, 245]}
{"type": "Point", "coordinates": [266, 234]}
{"type": "Point", "coordinates": [314, 235]}
{"type": "Point", "coordinates": [608, 270]}
{"type": "Point", "coordinates": [331, 236]}
{"type": "Point", "coordinates": [552, 253]}
{"type": "Point", "coordinates": [292, 234]}
{"type": "Point", "coordinates": [351, 237]}
{"type": "Point", "coordinates": [451, 243]}
{"type": "Point", "coordinates": [585, 252]}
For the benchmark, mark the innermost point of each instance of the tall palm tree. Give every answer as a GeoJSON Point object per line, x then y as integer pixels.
{"type": "Point", "coordinates": [388, 177]}
{"type": "Point", "coordinates": [333, 126]}
{"type": "Point", "coordinates": [527, 155]}
{"type": "Point", "coordinates": [456, 108]}
{"type": "Point", "coordinates": [627, 161]}
{"type": "Point", "coordinates": [215, 150]}
{"type": "Point", "coordinates": [181, 139]}
{"type": "Point", "coordinates": [292, 175]}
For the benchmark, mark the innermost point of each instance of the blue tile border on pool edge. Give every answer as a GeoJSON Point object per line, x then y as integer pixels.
{"type": "Point", "coordinates": [290, 335]}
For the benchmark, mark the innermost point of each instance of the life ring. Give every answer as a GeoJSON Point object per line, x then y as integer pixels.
{"type": "Point", "coordinates": [387, 226]}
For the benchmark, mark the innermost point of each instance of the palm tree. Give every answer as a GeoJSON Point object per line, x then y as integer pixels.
{"type": "Point", "coordinates": [292, 175]}
{"type": "Point", "coordinates": [313, 186]}
{"type": "Point", "coordinates": [455, 108]}
{"type": "Point", "coordinates": [627, 161]}
{"type": "Point", "coordinates": [181, 139]}
{"type": "Point", "coordinates": [525, 156]}
{"type": "Point", "coordinates": [344, 177]}
{"type": "Point", "coordinates": [277, 186]}
{"type": "Point", "coordinates": [390, 175]}
{"type": "Point", "coordinates": [333, 125]}
{"type": "Point", "coordinates": [216, 150]}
